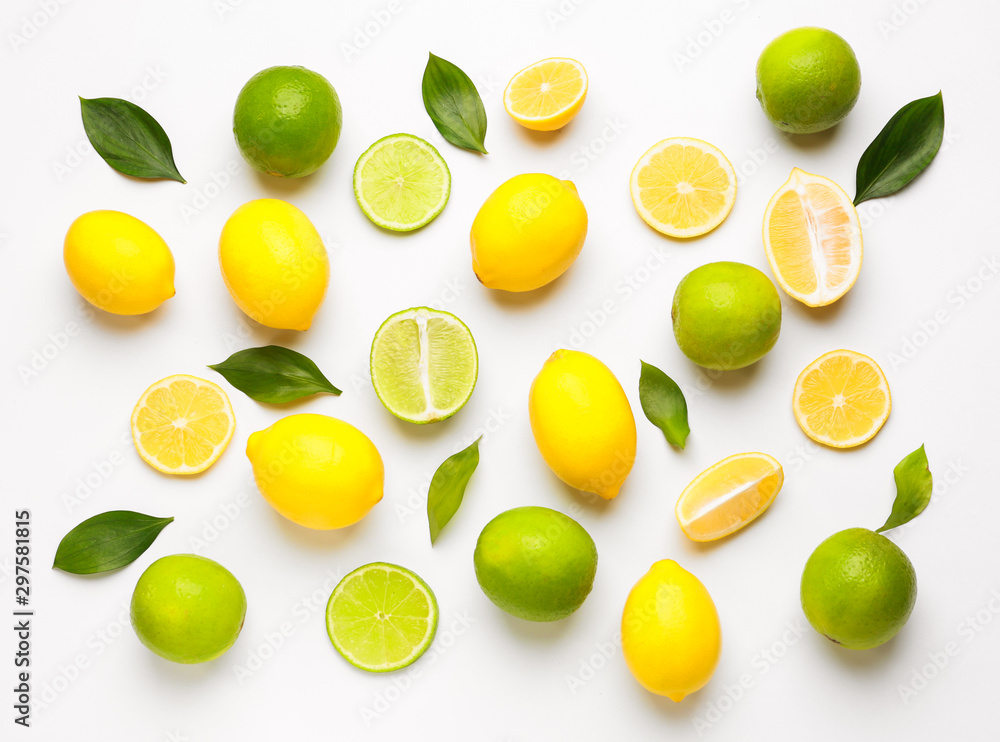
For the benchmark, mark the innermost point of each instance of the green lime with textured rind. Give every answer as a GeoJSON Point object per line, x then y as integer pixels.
{"type": "Point", "coordinates": [187, 608]}
{"type": "Point", "coordinates": [287, 121]}
{"type": "Point", "coordinates": [808, 80]}
{"type": "Point", "coordinates": [726, 315]}
{"type": "Point", "coordinates": [858, 589]}
{"type": "Point", "coordinates": [535, 563]}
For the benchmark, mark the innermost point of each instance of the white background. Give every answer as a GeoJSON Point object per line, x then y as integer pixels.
{"type": "Point", "coordinates": [657, 69]}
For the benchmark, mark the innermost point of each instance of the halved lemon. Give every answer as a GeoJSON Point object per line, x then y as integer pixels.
{"type": "Point", "coordinates": [546, 95]}
{"type": "Point", "coordinates": [683, 187]}
{"type": "Point", "coordinates": [841, 399]}
{"type": "Point", "coordinates": [182, 424]}
{"type": "Point", "coordinates": [728, 495]}
{"type": "Point", "coordinates": [812, 237]}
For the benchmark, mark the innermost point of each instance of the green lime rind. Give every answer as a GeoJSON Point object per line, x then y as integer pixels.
{"type": "Point", "coordinates": [381, 617]}
{"type": "Point", "coordinates": [424, 364]}
{"type": "Point", "coordinates": [808, 80]}
{"type": "Point", "coordinates": [858, 589]}
{"type": "Point", "coordinates": [287, 121]}
{"type": "Point", "coordinates": [401, 182]}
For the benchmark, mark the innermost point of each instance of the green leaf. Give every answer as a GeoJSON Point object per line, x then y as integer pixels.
{"type": "Point", "coordinates": [448, 487]}
{"type": "Point", "coordinates": [454, 105]}
{"type": "Point", "coordinates": [129, 139]}
{"type": "Point", "coordinates": [901, 151]}
{"type": "Point", "coordinates": [107, 541]}
{"type": "Point", "coordinates": [663, 404]}
{"type": "Point", "coordinates": [913, 489]}
{"type": "Point", "coordinates": [274, 374]}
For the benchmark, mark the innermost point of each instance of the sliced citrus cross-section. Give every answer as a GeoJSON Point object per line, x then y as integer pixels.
{"type": "Point", "coordinates": [546, 95]}
{"type": "Point", "coordinates": [381, 617]}
{"type": "Point", "coordinates": [812, 237]}
{"type": "Point", "coordinates": [683, 187]}
{"type": "Point", "coordinates": [424, 364]}
{"type": "Point", "coordinates": [728, 495]}
{"type": "Point", "coordinates": [841, 399]}
{"type": "Point", "coordinates": [401, 182]}
{"type": "Point", "coordinates": [182, 424]}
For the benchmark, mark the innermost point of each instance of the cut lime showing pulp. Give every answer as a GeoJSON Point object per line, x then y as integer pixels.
{"type": "Point", "coordinates": [424, 364]}
{"type": "Point", "coordinates": [381, 617]}
{"type": "Point", "coordinates": [401, 182]}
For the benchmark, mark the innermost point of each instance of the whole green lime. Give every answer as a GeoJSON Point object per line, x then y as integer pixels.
{"type": "Point", "coordinates": [535, 563]}
{"type": "Point", "coordinates": [726, 315]}
{"type": "Point", "coordinates": [287, 121]}
{"type": "Point", "coordinates": [858, 589]}
{"type": "Point", "coordinates": [187, 608]}
{"type": "Point", "coordinates": [808, 80]}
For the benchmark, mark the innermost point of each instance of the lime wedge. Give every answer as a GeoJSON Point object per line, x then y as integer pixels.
{"type": "Point", "coordinates": [401, 182]}
{"type": "Point", "coordinates": [381, 617]}
{"type": "Point", "coordinates": [424, 364]}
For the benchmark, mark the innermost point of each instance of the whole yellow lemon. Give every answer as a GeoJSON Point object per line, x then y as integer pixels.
{"type": "Point", "coordinates": [317, 471]}
{"type": "Point", "coordinates": [671, 636]}
{"type": "Point", "coordinates": [118, 263]}
{"type": "Point", "coordinates": [582, 422]}
{"type": "Point", "coordinates": [274, 263]}
{"type": "Point", "coordinates": [527, 233]}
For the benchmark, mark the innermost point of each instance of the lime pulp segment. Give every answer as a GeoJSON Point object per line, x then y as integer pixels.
{"type": "Point", "coordinates": [401, 182]}
{"type": "Point", "coordinates": [424, 364]}
{"type": "Point", "coordinates": [381, 617]}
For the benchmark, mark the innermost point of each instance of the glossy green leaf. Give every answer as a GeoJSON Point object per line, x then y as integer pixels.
{"type": "Point", "coordinates": [663, 404]}
{"type": "Point", "coordinates": [274, 374]}
{"type": "Point", "coordinates": [129, 139]}
{"type": "Point", "coordinates": [107, 541]}
{"type": "Point", "coordinates": [913, 489]}
{"type": "Point", "coordinates": [901, 151]}
{"type": "Point", "coordinates": [448, 487]}
{"type": "Point", "coordinates": [454, 105]}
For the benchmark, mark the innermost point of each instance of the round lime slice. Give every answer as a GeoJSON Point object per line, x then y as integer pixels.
{"type": "Point", "coordinates": [381, 617]}
{"type": "Point", "coordinates": [401, 182]}
{"type": "Point", "coordinates": [424, 364]}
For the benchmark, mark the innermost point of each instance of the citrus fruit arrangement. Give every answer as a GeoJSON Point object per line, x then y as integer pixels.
{"type": "Point", "coordinates": [534, 563]}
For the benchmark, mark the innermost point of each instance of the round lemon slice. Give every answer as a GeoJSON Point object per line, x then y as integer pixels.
{"type": "Point", "coordinates": [683, 187]}
{"type": "Point", "coordinates": [546, 95]}
{"type": "Point", "coordinates": [841, 399]}
{"type": "Point", "coordinates": [182, 424]}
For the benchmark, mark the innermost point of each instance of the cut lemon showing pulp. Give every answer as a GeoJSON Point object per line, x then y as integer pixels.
{"type": "Point", "coordinates": [424, 364]}
{"type": "Point", "coordinates": [547, 95]}
{"type": "Point", "coordinates": [182, 424]}
{"type": "Point", "coordinates": [381, 617]}
{"type": "Point", "coordinates": [841, 399]}
{"type": "Point", "coordinates": [812, 237]}
{"type": "Point", "coordinates": [401, 182]}
{"type": "Point", "coordinates": [683, 187]}
{"type": "Point", "coordinates": [728, 495]}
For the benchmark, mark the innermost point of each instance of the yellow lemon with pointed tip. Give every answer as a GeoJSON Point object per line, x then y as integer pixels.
{"type": "Point", "coordinates": [118, 263]}
{"type": "Point", "coordinates": [583, 423]}
{"type": "Point", "coordinates": [317, 471]}
{"type": "Point", "coordinates": [274, 263]}
{"type": "Point", "coordinates": [527, 233]}
{"type": "Point", "coordinates": [671, 637]}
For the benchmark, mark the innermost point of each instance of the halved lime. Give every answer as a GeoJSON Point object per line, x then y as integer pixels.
{"type": "Point", "coordinates": [424, 364]}
{"type": "Point", "coordinates": [381, 617]}
{"type": "Point", "coordinates": [401, 182]}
